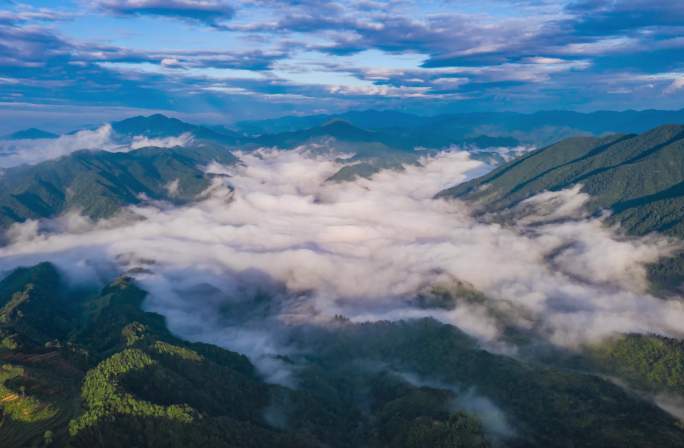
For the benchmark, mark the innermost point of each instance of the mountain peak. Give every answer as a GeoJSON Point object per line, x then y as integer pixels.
{"type": "Point", "coordinates": [342, 128]}
{"type": "Point", "coordinates": [157, 125]}
{"type": "Point", "coordinates": [30, 134]}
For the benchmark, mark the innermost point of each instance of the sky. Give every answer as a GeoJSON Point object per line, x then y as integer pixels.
{"type": "Point", "coordinates": [70, 62]}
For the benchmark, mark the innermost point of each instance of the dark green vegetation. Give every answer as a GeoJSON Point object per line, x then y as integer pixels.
{"type": "Point", "coordinates": [99, 183]}
{"type": "Point", "coordinates": [104, 373]}
{"type": "Point", "coordinates": [638, 178]}
{"type": "Point", "coordinates": [86, 369]}
{"type": "Point", "coordinates": [650, 363]}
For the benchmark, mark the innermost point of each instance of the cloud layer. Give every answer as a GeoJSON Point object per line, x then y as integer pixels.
{"type": "Point", "coordinates": [32, 151]}
{"type": "Point", "coordinates": [284, 248]}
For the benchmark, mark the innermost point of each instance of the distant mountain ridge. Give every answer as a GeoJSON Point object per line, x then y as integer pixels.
{"type": "Point", "coordinates": [339, 128]}
{"type": "Point", "coordinates": [159, 125]}
{"type": "Point", "coordinates": [29, 134]}
{"type": "Point", "coordinates": [537, 128]}
{"type": "Point", "coordinates": [475, 128]}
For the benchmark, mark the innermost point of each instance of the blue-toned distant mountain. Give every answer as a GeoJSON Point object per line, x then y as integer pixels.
{"type": "Point", "coordinates": [358, 128]}
{"type": "Point", "coordinates": [29, 134]}
{"type": "Point", "coordinates": [539, 128]}
{"type": "Point", "coordinates": [369, 119]}
{"type": "Point", "coordinates": [158, 125]}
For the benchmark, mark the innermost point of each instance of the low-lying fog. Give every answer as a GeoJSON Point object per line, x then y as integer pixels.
{"type": "Point", "coordinates": [282, 246]}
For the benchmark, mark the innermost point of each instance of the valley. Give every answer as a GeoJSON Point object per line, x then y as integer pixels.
{"type": "Point", "coordinates": [328, 287]}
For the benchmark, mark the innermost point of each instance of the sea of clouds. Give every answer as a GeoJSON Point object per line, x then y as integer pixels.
{"type": "Point", "coordinates": [273, 245]}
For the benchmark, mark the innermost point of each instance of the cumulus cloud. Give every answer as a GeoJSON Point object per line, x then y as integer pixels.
{"type": "Point", "coordinates": [20, 152]}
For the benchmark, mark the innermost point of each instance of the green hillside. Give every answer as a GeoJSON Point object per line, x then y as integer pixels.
{"type": "Point", "coordinates": [99, 183]}
{"type": "Point", "coordinates": [105, 373]}
{"type": "Point", "coordinates": [647, 362]}
{"type": "Point", "coordinates": [638, 178]}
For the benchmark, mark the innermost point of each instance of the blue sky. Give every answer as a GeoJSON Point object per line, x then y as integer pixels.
{"type": "Point", "coordinates": [67, 63]}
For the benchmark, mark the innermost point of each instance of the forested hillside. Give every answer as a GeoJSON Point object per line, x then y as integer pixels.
{"type": "Point", "coordinates": [639, 179]}
{"type": "Point", "coordinates": [86, 369]}
{"type": "Point", "coordinates": [99, 183]}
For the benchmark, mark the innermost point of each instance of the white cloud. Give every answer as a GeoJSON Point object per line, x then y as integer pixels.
{"type": "Point", "coordinates": [676, 85]}
{"type": "Point", "coordinates": [19, 152]}
{"type": "Point", "coordinates": [140, 141]}
{"type": "Point", "coordinates": [364, 249]}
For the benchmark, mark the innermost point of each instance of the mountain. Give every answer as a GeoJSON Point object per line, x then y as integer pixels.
{"type": "Point", "coordinates": [29, 134]}
{"type": "Point", "coordinates": [638, 178]}
{"type": "Point", "coordinates": [99, 183]}
{"type": "Point", "coordinates": [392, 129]}
{"type": "Point", "coordinates": [340, 130]}
{"type": "Point", "coordinates": [107, 373]}
{"type": "Point", "coordinates": [88, 366]}
{"type": "Point", "coordinates": [371, 119]}
{"type": "Point", "coordinates": [539, 128]}
{"type": "Point", "coordinates": [372, 150]}
{"type": "Point", "coordinates": [116, 377]}
{"type": "Point", "coordinates": [158, 126]}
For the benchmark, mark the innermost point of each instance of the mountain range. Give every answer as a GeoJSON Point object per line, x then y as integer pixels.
{"type": "Point", "coordinates": [539, 128]}
{"type": "Point", "coordinates": [480, 129]}
{"type": "Point", "coordinates": [84, 366]}
{"type": "Point", "coordinates": [99, 183]}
